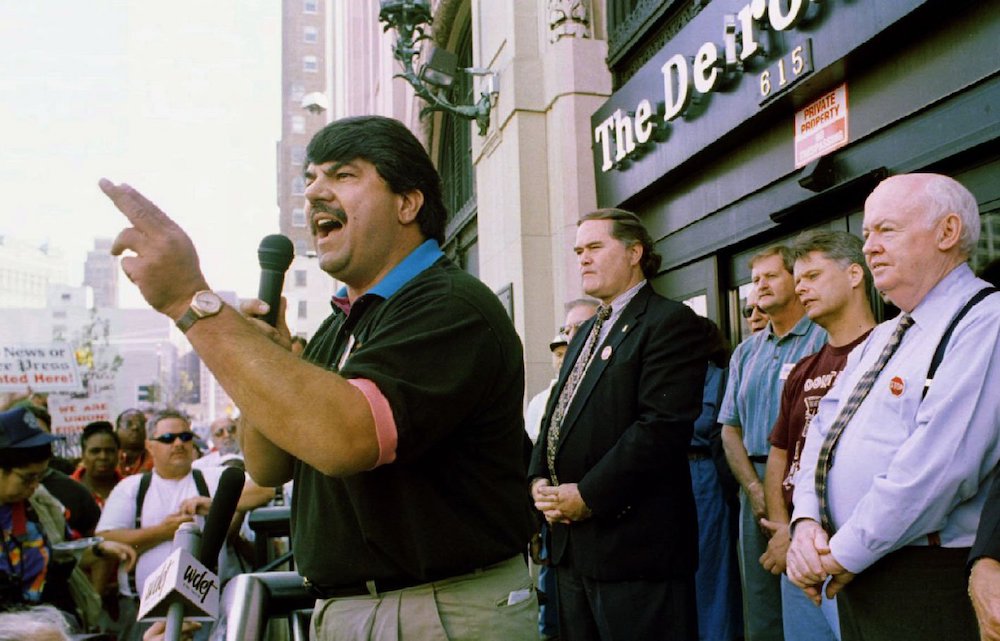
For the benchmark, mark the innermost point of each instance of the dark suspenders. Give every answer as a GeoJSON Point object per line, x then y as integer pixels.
{"type": "Point", "coordinates": [939, 352]}
{"type": "Point", "coordinates": [147, 477]}
{"type": "Point", "coordinates": [140, 498]}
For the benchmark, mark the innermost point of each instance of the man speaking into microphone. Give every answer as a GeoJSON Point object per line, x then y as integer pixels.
{"type": "Point", "coordinates": [409, 513]}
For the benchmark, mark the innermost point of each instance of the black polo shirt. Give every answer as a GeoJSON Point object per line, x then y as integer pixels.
{"type": "Point", "coordinates": [444, 353]}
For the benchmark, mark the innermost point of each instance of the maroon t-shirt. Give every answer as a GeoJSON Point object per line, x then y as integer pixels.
{"type": "Point", "coordinates": [808, 382]}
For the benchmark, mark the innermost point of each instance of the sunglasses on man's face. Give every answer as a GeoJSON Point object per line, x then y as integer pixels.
{"type": "Point", "coordinates": [169, 437]}
{"type": "Point", "coordinates": [748, 310]}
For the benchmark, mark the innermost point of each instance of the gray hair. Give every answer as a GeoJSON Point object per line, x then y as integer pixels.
{"type": "Point", "coordinates": [838, 246]}
{"type": "Point", "coordinates": [155, 419]}
{"type": "Point", "coordinates": [30, 622]}
{"type": "Point", "coordinates": [945, 196]}
{"type": "Point", "coordinates": [581, 302]}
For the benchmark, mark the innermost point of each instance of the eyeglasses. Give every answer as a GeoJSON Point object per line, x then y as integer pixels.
{"type": "Point", "coordinates": [169, 437]}
{"type": "Point", "coordinates": [748, 310]}
{"type": "Point", "coordinates": [222, 430]}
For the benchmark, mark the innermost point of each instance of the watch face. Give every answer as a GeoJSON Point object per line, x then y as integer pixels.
{"type": "Point", "coordinates": [207, 302]}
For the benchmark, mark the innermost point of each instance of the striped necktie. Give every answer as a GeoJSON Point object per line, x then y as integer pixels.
{"type": "Point", "coordinates": [569, 389]}
{"type": "Point", "coordinates": [847, 412]}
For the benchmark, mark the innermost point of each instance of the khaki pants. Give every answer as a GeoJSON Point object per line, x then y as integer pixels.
{"type": "Point", "coordinates": [498, 602]}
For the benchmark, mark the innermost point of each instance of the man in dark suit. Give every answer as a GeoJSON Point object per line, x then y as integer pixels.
{"type": "Point", "coordinates": [609, 470]}
{"type": "Point", "coordinates": [984, 580]}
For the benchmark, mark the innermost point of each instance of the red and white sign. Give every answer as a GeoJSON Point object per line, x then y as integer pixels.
{"type": "Point", "coordinates": [39, 368]}
{"type": "Point", "coordinates": [70, 415]}
{"type": "Point", "coordinates": [821, 126]}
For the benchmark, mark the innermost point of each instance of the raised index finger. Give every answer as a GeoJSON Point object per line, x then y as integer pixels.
{"type": "Point", "coordinates": [141, 212]}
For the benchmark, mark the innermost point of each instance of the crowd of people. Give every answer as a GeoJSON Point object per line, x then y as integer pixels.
{"type": "Point", "coordinates": [77, 542]}
{"type": "Point", "coordinates": [825, 480]}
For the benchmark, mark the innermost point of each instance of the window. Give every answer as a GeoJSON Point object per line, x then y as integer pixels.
{"type": "Point", "coordinates": [298, 153]}
{"type": "Point", "coordinates": [457, 174]}
{"type": "Point", "coordinates": [989, 240]}
{"type": "Point", "coordinates": [298, 186]}
{"type": "Point", "coordinates": [303, 309]}
{"type": "Point", "coordinates": [310, 35]}
{"type": "Point", "coordinates": [298, 217]}
{"type": "Point", "coordinates": [296, 91]}
{"type": "Point", "coordinates": [301, 248]}
{"type": "Point", "coordinates": [309, 64]}
{"type": "Point", "coordinates": [310, 6]}
{"type": "Point", "coordinates": [300, 278]}
{"type": "Point", "coordinates": [298, 124]}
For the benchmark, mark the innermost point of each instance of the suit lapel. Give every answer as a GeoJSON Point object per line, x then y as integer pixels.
{"type": "Point", "coordinates": [627, 323]}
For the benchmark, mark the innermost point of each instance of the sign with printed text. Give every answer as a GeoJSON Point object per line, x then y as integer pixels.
{"type": "Point", "coordinates": [821, 126]}
{"type": "Point", "coordinates": [70, 415]}
{"type": "Point", "coordinates": [39, 368]}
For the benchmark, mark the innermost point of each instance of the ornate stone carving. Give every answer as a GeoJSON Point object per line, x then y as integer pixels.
{"type": "Point", "coordinates": [569, 19]}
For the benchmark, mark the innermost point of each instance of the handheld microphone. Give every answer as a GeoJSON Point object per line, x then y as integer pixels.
{"type": "Point", "coordinates": [220, 515]}
{"type": "Point", "coordinates": [181, 587]}
{"type": "Point", "coordinates": [274, 254]}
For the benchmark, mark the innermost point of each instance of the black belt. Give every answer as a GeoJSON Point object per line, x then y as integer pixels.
{"type": "Point", "coordinates": [377, 586]}
{"type": "Point", "coordinates": [759, 459]}
{"type": "Point", "coordinates": [699, 453]}
{"type": "Point", "coordinates": [358, 589]}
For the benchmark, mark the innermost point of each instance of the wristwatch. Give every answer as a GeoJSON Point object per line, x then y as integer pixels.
{"type": "Point", "coordinates": [205, 303]}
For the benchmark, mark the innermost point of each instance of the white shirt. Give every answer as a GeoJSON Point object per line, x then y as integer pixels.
{"type": "Point", "coordinates": [162, 499]}
{"type": "Point", "coordinates": [906, 467]}
{"type": "Point", "coordinates": [536, 412]}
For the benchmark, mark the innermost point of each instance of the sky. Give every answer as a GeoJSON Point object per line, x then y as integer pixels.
{"type": "Point", "coordinates": [180, 99]}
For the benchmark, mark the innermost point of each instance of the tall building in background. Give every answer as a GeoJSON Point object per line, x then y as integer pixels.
{"type": "Point", "coordinates": [304, 38]}
{"type": "Point", "coordinates": [100, 273]}
{"type": "Point", "coordinates": [27, 271]}
{"type": "Point", "coordinates": [305, 75]}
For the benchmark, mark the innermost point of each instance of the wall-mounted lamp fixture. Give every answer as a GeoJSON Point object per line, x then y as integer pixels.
{"type": "Point", "coordinates": [315, 102]}
{"type": "Point", "coordinates": [410, 19]}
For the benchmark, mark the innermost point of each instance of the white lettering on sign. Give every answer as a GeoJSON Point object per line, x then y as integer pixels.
{"type": "Point", "coordinates": [621, 135]}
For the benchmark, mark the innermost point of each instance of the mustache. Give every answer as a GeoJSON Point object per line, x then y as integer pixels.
{"type": "Point", "coordinates": [338, 214]}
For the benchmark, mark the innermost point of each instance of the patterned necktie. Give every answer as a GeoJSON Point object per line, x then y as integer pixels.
{"type": "Point", "coordinates": [569, 389]}
{"type": "Point", "coordinates": [847, 412]}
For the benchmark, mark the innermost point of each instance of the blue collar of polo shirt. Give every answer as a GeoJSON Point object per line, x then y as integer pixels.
{"type": "Point", "coordinates": [799, 329]}
{"type": "Point", "coordinates": [415, 262]}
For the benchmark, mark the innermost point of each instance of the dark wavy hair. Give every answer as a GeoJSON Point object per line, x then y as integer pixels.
{"type": "Point", "coordinates": [626, 227]}
{"type": "Point", "coordinates": [397, 155]}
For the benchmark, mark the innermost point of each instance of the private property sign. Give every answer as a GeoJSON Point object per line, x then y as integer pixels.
{"type": "Point", "coordinates": [39, 368]}
{"type": "Point", "coordinates": [821, 126]}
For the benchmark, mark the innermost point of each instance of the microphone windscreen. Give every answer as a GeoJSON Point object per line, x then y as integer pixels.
{"type": "Point", "coordinates": [275, 253]}
{"type": "Point", "coordinates": [220, 515]}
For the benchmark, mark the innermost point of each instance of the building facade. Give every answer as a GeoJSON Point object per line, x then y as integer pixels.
{"type": "Point", "coordinates": [305, 79]}
{"type": "Point", "coordinates": [100, 273]}
{"type": "Point", "coordinates": [735, 125]}
{"type": "Point", "coordinates": [727, 125]}
{"type": "Point", "coordinates": [27, 271]}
